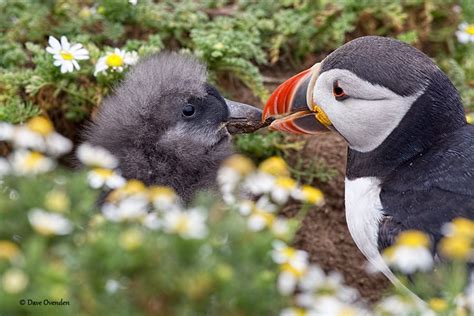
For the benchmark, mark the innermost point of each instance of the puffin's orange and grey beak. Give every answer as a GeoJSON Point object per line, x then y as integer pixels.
{"type": "Point", "coordinates": [292, 107]}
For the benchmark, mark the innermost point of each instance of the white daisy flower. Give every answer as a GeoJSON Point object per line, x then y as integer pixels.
{"type": "Point", "coordinates": [95, 156]}
{"type": "Point", "coordinates": [163, 198]}
{"type": "Point", "coordinates": [259, 220]}
{"type": "Point", "coordinates": [14, 281]}
{"type": "Point", "coordinates": [4, 167]}
{"type": "Point", "coordinates": [48, 224]}
{"type": "Point", "coordinates": [328, 305]}
{"type": "Point", "coordinates": [25, 162]}
{"type": "Point", "coordinates": [112, 286]}
{"type": "Point", "coordinates": [397, 306]}
{"type": "Point", "coordinates": [280, 228]}
{"type": "Point", "coordinates": [116, 60]}
{"type": "Point", "coordinates": [99, 177]}
{"type": "Point", "coordinates": [259, 183]}
{"type": "Point", "coordinates": [152, 221]}
{"type": "Point", "coordinates": [57, 145]}
{"type": "Point", "coordinates": [308, 194]}
{"type": "Point", "coordinates": [410, 252]}
{"type": "Point", "coordinates": [291, 273]}
{"type": "Point", "coordinates": [65, 54]}
{"type": "Point", "coordinates": [282, 253]}
{"type": "Point", "coordinates": [246, 207]}
{"type": "Point", "coordinates": [39, 134]}
{"type": "Point", "coordinates": [6, 131]}
{"type": "Point", "coordinates": [465, 33]}
{"type": "Point", "coordinates": [317, 283]}
{"type": "Point", "coordinates": [128, 209]}
{"type": "Point", "coordinates": [24, 137]}
{"type": "Point", "coordinates": [296, 311]}
{"type": "Point", "coordinates": [188, 224]}
{"type": "Point", "coordinates": [133, 2]}
{"type": "Point", "coordinates": [282, 190]}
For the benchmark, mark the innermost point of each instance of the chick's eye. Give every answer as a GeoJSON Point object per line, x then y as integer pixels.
{"type": "Point", "coordinates": [338, 92]}
{"type": "Point", "coordinates": [188, 110]}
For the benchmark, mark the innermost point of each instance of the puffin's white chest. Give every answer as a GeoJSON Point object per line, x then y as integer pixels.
{"type": "Point", "coordinates": [363, 215]}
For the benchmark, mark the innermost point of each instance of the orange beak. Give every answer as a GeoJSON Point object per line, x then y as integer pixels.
{"type": "Point", "coordinates": [292, 107]}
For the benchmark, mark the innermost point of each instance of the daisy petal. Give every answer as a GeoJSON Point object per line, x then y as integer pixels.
{"type": "Point", "coordinates": [64, 43]}
{"type": "Point", "coordinates": [54, 43]}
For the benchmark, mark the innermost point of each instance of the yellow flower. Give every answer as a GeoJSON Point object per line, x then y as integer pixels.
{"type": "Point", "coordinates": [312, 195]}
{"type": "Point", "coordinates": [131, 239]}
{"type": "Point", "coordinates": [463, 227]}
{"type": "Point", "coordinates": [275, 166]}
{"type": "Point", "coordinates": [57, 201]}
{"type": "Point", "coordinates": [240, 164]}
{"type": "Point", "coordinates": [413, 238]}
{"type": "Point", "coordinates": [455, 247]}
{"type": "Point", "coordinates": [163, 197]}
{"type": "Point", "coordinates": [470, 118]}
{"type": "Point", "coordinates": [437, 304]}
{"type": "Point", "coordinates": [41, 125]}
{"type": "Point", "coordinates": [8, 250]}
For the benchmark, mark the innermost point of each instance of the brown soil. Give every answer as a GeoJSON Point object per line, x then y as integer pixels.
{"type": "Point", "coordinates": [324, 233]}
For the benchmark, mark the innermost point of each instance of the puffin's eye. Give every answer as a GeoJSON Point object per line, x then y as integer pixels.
{"type": "Point", "coordinates": [338, 92]}
{"type": "Point", "coordinates": [188, 110]}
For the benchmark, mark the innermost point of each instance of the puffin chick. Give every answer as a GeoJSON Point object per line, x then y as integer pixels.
{"type": "Point", "coordinates": [167, 125]}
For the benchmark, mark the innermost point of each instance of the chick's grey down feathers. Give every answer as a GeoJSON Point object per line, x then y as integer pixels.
{"type": "Point", "coordinates": [142, 124]}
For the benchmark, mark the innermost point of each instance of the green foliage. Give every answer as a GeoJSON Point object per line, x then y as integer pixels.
{"type": "Point", "coordinates": [238, 39]}
{"type": "Point", "coordinates": [124, 268]}
{"type": "Point", "coordinates": [259, 146]}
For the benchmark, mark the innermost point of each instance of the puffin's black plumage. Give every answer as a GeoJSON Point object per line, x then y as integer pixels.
{"type": "Point", "coordinates": [411, 152]}
{"type": "Point", "coordinates": [165, 124]}
{"type": "Point", "coordinates": [426, 165]}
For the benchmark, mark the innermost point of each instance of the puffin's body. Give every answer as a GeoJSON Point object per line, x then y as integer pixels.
{"type": "Point", "coordinates": [410, 161]}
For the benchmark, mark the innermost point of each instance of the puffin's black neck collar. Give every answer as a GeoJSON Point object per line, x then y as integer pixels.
{"type": "Point", "coordinates": [433, 116]}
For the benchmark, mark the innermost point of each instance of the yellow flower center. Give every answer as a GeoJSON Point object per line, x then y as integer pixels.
{"type": "Point", "coordinates": [114, 60]}
{"type": "Point", "coordinates": [313, 195]}
{"type": "Point", "coordinates": [286, 183]}
{"type": "Point", "coordinates": [104, 173]}
{"type": "Point", "coordinates": [470, 29]}
{"type": "Point", "coordinates": [161, 191]}
{"type": "Point", "coordinates": [347, 311]}
{"type": "Point", "coordinates": [289, 252]}
{"type": "Point", "coordinates": [40, 125]}
{"type": "Point", "coordinates": [293, 270]}
{"type": "Point", "coordinates": [267, 217]}
{"type": "Point", "coordinates": [33, 159]}
{"type": "Point", "coordinates": [463, 227]}
{"type": "Point", "coordinates": [275, 166]}
{"type": "Point", "coordinates": [134, 186]}
{"type": "Point", "coordinates": [8, 250]}
{"type": "Point", "coordinates": [66, 55]}
{"type": "Point", "coordinates": [57, 201]}
{"type": "Point", "coordinates": [456, 247]}
{"type": "Point", "coordinates": [470, 118]}
{"type": "Point", "coordinates": [183, 224]}
{"type": "Point", "coordinates": [239, 163]}
{"type": "Point", "coordinates": [413, 238]}
{"type": "Point", "coordinates": [298, 312]}
{"type": "Point", "coordinates": [131, 239]}
{"type": "Point", "coordinates": [438, 304]}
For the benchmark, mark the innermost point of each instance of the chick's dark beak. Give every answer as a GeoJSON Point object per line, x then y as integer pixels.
{"type": "Point", "coordinates": [292, 108]}
{"type": "Point", "coordinates": [243, 118]}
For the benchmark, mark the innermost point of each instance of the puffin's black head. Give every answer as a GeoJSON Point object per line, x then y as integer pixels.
{"type": "Point", "coordinates": [370, 90]}
{"type": "Point", "coordinates": [166, 124]}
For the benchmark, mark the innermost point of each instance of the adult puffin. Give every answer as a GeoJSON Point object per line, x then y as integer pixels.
{"type": "Point", "coordinates": [410, 160]}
